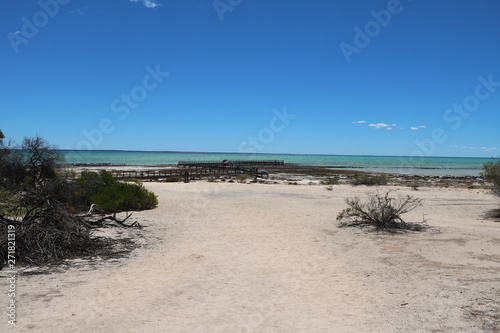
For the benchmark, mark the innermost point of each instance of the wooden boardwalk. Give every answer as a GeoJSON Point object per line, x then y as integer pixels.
{"type": "Point", "coordinates": [191, 170]}
{"type": "Point", "coordinates": [229, 163]}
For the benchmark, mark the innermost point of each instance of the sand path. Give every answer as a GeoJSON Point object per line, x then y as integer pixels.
{"type": "Point", "coordinates": [268, 258]}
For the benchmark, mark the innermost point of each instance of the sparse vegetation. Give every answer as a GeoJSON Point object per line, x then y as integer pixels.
{"type": "Point", "coordinates": [329, 180]}
{"type": "Point", "coordinates": [242, 178]}
{"type": "Point", "coordinates": [28, 164]}
{"type": "Point", "coordinates": [172, 179]}
{"type": "Point", "coordinates": [414, 186]}
{"type": "Point", "coordinates": [35, 204]}
{"type": "Point", "coordinates": [370, 180]}
{"type": "Point", "coordinates": [46, 211]}
{"type": "Point", "coordinates": [381, 211]}
{"type": "Point", "coordinates": [492, 174]}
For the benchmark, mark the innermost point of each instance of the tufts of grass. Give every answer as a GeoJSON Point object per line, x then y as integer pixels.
{"type": "Point", "coordinates": [242, 178]}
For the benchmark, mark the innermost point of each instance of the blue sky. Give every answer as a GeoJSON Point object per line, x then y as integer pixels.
{"type": "Point", "coordinates": [352, 77]}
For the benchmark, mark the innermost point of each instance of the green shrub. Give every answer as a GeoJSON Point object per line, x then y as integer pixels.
{"type": "Point", "coordinates": [91, 181]}
{"type": "Point", "coordinates": [329, 180]}
{"type": "Point", "coordinates": [172, 179]}
{"type": "Point", "coordinates": [242, 177]}
{"type": "Point", "coordinates": [381, 211]}
{"type": "Point", "coordinates": [111, 195]}
{"type": "Point", "coordinates": [9, 203]}
{"type": "Point", "coordinates": [492, 174]}
{"type": "Point", "coordinates": [124, 196]}
{"type": "Point", "coordinates": [370, 180]}
{"type": "Point", "coordinates": [414, 186]}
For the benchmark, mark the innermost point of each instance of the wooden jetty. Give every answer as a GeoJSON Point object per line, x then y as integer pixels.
{"type": "Point", "coordinates": [229, 163]}
{"type": "Point", "coordinates": [191, 170]}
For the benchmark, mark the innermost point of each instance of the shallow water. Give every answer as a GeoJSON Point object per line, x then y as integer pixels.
{"type": "Point", "coordinates": [434, 166]}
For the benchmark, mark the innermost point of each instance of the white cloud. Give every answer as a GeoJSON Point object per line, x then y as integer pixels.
{"type": "Point", "coordinates": [379, 125]}
{"type": "Point", "coordinates": [481, 148]}
{"type": "Point", "coordinates": [148, 3]}
{"type": "Point", "coordinates": [387, 126]}
{"type": "Point", "coordinates": [462, 147]}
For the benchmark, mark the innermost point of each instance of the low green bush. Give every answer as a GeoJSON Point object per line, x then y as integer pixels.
{"type": "Point", "coordinates": [111, 195]}
{"type": "Point", "coordinates": [172, 179]}
{"type": "Point", "coordinates": [242, 177]}
{"type": "Point", "coordinates": [124, 196]}
{"type": "Point", "coordinates": [370, 180]}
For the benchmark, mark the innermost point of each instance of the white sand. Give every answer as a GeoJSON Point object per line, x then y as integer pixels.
{"type": "Point", "coordinates": [269, 258]}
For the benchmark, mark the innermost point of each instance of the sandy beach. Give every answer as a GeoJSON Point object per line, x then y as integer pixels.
{"type": "Point", "coordinates": [230, 257]}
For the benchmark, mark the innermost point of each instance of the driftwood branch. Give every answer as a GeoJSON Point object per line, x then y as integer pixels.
{"type": "Point", "coordinates": [100, 222]}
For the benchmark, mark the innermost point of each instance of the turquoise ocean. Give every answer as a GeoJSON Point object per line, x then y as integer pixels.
{"type": "Point", "coordinates": [434, 166]}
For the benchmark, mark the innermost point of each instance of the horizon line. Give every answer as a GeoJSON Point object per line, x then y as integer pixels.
{"type": "Point", "coordinates": [240, 153]}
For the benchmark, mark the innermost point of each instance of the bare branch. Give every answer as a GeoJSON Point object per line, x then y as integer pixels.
{"type": "Point", "coordinates": [381, 211]}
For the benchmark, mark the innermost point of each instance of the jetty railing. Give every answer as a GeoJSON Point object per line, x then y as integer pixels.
{"type": "Point", "coordinates": [190, 170]}
{"type": "Point", "coordinates": [187, 174]}
{"type": "Point", "coordinates": [229, 163]}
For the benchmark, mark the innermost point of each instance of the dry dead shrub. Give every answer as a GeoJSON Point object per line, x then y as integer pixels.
{"type": "Point", "coordinates": [382, 211]}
